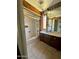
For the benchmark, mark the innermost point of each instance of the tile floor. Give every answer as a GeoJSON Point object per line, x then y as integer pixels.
{"type": "Point", "coordinates": [40, 50]}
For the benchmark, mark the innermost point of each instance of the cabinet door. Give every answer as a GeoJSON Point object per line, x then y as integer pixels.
{"type": "Point", "coordinates": [56, 42]}
{"type": "Point", "coordinates": [47, 39]}
{"type": "Point", "coordinates": [44, 38]}
{"type": "Point", "coordinates": [41, 36]}
{"type": "Point", "coordinates": [52, 41]}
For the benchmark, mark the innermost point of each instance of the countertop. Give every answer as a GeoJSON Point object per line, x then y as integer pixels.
{"type": "Point", "coordinates": [57, 34]}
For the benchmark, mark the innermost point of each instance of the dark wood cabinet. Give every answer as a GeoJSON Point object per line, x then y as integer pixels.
{"type": "Point", "coordinates": [51, 40]}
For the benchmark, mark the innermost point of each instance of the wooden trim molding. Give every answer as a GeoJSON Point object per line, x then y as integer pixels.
{"type": "Point", "coordinates": [54, 6]}
{"type": "Point", "coordinates": [29, 6]}
{"type": "Point", "coordinates": [32, 11]}
{"type": "Point", "coordinates": [56, 18]}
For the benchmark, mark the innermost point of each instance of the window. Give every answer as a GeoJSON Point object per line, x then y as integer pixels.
{"type": "Point", "coordinates": [44, 22]}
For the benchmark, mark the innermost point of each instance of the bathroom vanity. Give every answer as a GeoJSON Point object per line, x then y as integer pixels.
{"type": "Point", "coordinates": [51, 33]}
{"type": "Point", "coordinates": [53, 39]}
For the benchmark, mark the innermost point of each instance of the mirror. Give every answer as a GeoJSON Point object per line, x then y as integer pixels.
{"type": "Point", "coordinates": [53, 24]}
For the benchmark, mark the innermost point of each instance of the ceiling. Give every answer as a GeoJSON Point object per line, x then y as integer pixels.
{"type": "Point", "coordinates": [42, 5]}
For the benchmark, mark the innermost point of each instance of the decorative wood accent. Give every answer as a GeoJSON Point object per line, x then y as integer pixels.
{"type": "Point", "coordinates": [32, 11]}
{"type": "Point", "coordinates": [29, 6]}
{"type": "Point", "coordinates": [56, 18]}
{"type": "Point", "coordinates": [54, 6]}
